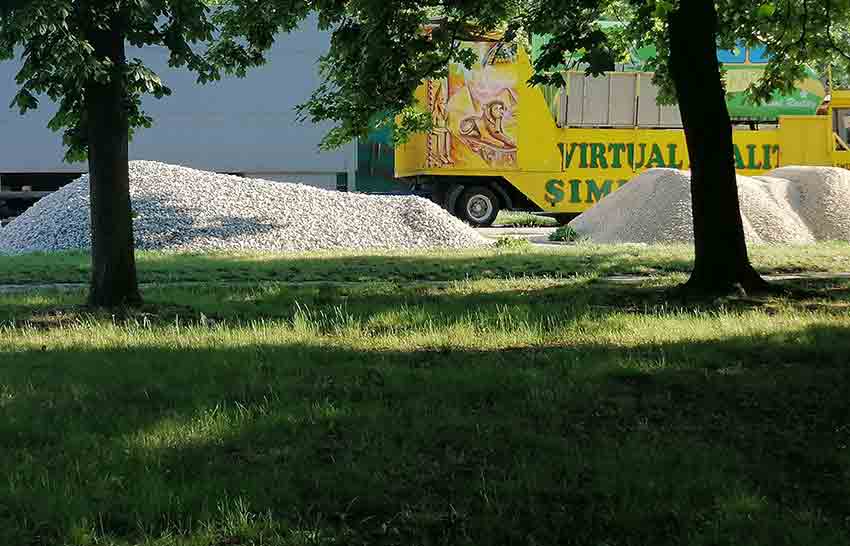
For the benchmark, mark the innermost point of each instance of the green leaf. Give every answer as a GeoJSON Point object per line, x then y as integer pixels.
{"type": "Point", "coordinates": [664, 7]}
{"type": "Point", "coordinates": [24, 100]}
{"type": "Point", "coordinates": [766, 10]}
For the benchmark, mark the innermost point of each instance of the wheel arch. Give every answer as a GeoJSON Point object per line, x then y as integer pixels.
{"type": "Point", "coordinates": [449, 189]}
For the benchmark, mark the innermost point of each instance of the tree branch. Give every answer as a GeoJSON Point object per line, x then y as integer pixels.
{"type": "Point", "coordinates": [829, 38]}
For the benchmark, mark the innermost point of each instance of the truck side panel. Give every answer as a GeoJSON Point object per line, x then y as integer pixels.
{"type": "Point", "coordinates": [596, 162]}
{"type": "Point", "coordinates": [806, 140]}
{"type": "Point", "coordinates": [489, 122]}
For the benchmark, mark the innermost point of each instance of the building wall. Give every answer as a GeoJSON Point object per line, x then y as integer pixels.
{"type": "Point", "coordinates": [324, 181]}
{"type": "Point", "coordinates": [234, 125]}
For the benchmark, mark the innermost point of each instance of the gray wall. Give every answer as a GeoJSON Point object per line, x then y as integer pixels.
{"type": "Point", "coordinates": [235, 125]}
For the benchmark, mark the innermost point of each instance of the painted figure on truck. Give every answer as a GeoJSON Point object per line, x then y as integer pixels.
{"type": "Point", "coordinates": [440, 143]}
{"type": "Point", "coordinates": [485, 135]}
{"type": "Point", "coordinates": [474, 111]}
{"type": "Point", "coordinates": [501, 144]}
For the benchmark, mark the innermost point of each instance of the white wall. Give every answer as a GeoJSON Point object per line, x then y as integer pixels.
{"type": "Point", "coordinates": [325, 181]}
{"type": "Point", "coordinates": [235, 125]}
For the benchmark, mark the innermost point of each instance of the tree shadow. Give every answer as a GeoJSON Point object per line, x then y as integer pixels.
{"type": "Point", "coordinates": [556, 301]}
{"type": "Point", "coordinates": [168, 223]}
{"type": "Point", "coordinates": [739, 440]}
{"type": "Point", "coordinates": [345, 267]}
{"type": "Point", "coordinates": [426, 267]}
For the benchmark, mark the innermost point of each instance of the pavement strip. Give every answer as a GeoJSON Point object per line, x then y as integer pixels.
{"type": "Point", "coordinates": [535, 235]}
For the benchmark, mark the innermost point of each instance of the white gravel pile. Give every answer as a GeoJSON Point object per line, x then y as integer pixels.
{"type": "Point", "coordinates": [792, 205]}
{"type": "Point", "coordinates": [183, 209]}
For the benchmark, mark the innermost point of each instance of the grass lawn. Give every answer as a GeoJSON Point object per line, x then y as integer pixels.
{"type": "Point", "coordinates": [510, 263]}
{"type": "Point", "coordinates": [524, 400]}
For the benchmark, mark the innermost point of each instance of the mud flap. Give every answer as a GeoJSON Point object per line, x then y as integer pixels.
{"type": "Point", "coordinates": [455, 190]}
{"type": "Point", "coordinates": [507, 202]}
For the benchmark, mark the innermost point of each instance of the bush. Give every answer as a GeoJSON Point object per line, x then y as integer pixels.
{"type": "Point", "coordinates": [565, 233]}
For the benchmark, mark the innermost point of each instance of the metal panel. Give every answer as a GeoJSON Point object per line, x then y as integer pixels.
{"type": "Point", "coordinates": [670, 116]}
{"type": "Point", "coordinates": [622, 99]}
{"type": "Point", "coordinates": [596, 101]}
{"type": "Point", "coordinates": [610, 101]}
{"type": "Point", "coordinates": [563, 102]}
{"type": "Point", "coordinates": [575, 102]}
{"type": "Point", "coordinates": [235, 125]}
{"type": "Point", "coordinates": [648, 111]}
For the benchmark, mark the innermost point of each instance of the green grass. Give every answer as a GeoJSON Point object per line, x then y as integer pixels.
{"type": "Point", "coordinates": [498, 263]}
{"type": "Point", "coordinates": [523, 219]}
{"type": "Point", "coordinates": [544, 409]}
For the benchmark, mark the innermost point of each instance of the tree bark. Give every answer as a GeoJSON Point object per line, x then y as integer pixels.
{"type": "Point", "coordinates": [113, 278]}
{"type": "Point", "coordinates": [721, 264]}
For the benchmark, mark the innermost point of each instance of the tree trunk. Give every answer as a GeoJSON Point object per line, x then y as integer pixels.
{"type": "Point", "coordinates": [113, 279]}
{"type": "Point", "coordinates": [721, 264]}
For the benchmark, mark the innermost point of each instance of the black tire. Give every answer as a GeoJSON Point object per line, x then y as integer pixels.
{"type": "Point", "coordinates": [478, 206]}
{"type": "Point", "coordinates": [439, 192]}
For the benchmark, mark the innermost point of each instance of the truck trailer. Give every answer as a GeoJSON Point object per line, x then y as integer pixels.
{"type": "Point", "coordinates": [237, 126]}
{"type": "Point", "coordinates": [499, 144]}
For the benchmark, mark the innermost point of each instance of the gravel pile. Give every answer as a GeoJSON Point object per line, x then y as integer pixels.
{"type": "Point", "coordinates": [791, 205]}
{"type": "Point", "coordinates": [183, 209]}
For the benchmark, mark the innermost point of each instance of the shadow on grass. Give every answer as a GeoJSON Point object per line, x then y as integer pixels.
{"type": "Point", "coordinates": [420, 303]}
{"type": "Point", "coordinates": [539, 306]}
{"type": "Point", "coordinates": [445, 266]}
{"type": "Point", "coordinates": [730, 441]}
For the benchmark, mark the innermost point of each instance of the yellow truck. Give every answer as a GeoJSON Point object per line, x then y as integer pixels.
{"type": "Point", "coordinates": [499, 144]}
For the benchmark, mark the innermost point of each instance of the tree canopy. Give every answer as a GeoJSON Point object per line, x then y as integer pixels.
{"type": "Point", "coordinates": [379, 53]}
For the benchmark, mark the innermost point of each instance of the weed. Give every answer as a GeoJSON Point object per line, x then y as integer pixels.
{"type": "Point", "coordinates": [512, 243]}
{"type": "Point", "coordinates": [565, 234]}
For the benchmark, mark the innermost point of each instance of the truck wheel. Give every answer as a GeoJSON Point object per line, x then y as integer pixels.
{"type": "Point", "coordinates": [478, 206]}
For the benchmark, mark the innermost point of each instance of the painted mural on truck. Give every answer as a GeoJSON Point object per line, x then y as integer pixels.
{"type": "Point", "coordinates": [474, 111]}
{"type": "Point", "coordinates": [743, 67]}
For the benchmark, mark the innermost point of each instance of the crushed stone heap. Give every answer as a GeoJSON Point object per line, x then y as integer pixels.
{"type": "Point", "coordinates": [789, 205]}
{"type": "Point", "coordinates": [182, 209]}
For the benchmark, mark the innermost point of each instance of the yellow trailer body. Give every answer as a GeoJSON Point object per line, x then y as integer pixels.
{"type": "Point", "coordinates": [489, 124]}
